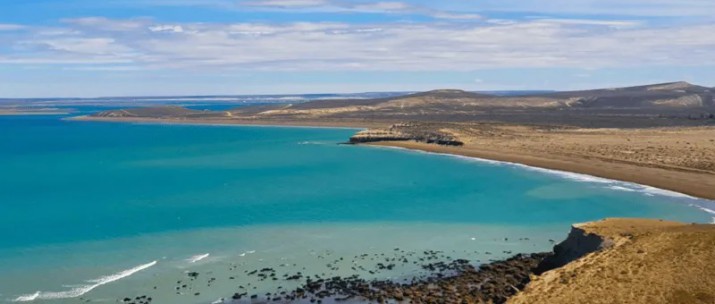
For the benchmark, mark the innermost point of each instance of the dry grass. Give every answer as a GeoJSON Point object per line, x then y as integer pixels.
{"type": "Point", "coordinates": [652, 262]}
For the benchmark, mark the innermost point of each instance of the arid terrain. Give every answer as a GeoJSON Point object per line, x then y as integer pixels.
{"type": "Point", "coordinates": [661, 105]}
{"type": "Point", "coordinates": [639, 261]}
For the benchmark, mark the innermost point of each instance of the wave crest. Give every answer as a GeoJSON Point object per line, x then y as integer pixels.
{"type": "Point", "coordinates": [82, 289]}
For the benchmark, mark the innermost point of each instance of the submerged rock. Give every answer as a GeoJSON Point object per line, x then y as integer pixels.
{"type": "Point", "coordinates": [457, 281]}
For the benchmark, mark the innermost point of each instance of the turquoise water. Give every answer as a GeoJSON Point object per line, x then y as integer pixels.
{"type": "Point", "coordinates": [83, 200]}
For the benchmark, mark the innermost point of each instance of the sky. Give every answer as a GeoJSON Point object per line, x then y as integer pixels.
{"type": "Point", "coordinates": [95, 48]}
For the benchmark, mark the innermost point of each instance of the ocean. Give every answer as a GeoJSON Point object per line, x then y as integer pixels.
{"type": "Point", "coordinates": [102, 211]}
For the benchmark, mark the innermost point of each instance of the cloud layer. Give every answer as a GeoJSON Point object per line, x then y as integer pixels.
{"type": "Point", "coordinates": [149, 44]}
{"type": "Point", "coordinates": [148, 47]}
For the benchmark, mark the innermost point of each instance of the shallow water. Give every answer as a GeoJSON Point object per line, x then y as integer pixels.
{"type": "Point", "coordinates": [110, 210]}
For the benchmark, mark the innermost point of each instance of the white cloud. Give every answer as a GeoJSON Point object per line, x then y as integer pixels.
{"type": "Point", "coordinates": [323, 46]}
{"type": "Point", "coordinates": [383, 6]}
{"type": "Point", "coordinates": [10, 27]}
{"type": "Point", "coordinates": [102, 23]}
{"type": "Point", "coordinates": [447, 8]}
{"type": "Point", "coordinates": [610, 23]}
{"type": "Point", "coordinates": [99, 46]}
{"type": "Point", "coordinates": [387, 7]}
{"type": "Point", "coordinates": [675, 8]}
{"type": "Point", "coordinates": [167, 28]}
{"type": "Point", "coordinates": [287, 3]}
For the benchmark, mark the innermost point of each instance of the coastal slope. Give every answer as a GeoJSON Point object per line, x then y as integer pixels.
{"type": "Point", "coordinates": [637, 261]}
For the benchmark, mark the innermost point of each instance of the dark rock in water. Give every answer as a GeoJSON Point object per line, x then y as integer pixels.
{"type": "Point", "coordinates": [451, 282]}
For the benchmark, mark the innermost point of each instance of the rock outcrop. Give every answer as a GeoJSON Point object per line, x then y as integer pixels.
{"type": "Point", "coordinates": [420, 132]}
{"type": "Point", "coordinates": [579, 243]}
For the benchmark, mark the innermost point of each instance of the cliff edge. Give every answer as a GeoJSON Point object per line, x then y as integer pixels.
{"type": "Point", "coordinates": [628, 261]}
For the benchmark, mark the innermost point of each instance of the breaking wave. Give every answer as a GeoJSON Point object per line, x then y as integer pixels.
{"type": "Point", "coordinates": [83, 289]}
{"type": "Point", "coordinates": [198, 257]}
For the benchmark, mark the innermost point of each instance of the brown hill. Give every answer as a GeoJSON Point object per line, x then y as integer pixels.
{"type": "Point", "coordinates": [673, 94]}
{"type": "Point", "coordinates": [664, 97]}
{"type": "Point", "coordinates": [666, 104]}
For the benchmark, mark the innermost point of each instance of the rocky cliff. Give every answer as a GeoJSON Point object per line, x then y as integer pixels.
{"type": "Point", "coordinates": [420, 132]}
{"type": "Point", "coordinates": [579, 243]}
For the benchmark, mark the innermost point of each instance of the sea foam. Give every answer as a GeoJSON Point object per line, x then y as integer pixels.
{"type": "Point", "coordinates": [711, 211]}
{"type": "Point", "coordinates": [83, 289]}
{"type": "Point", "coordinates": [198, 257]}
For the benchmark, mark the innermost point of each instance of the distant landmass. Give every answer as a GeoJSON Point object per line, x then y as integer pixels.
{"type": "Point", "coordinates": [665, 104]}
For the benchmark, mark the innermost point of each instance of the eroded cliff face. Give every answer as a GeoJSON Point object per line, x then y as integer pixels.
{"type": "Point", "coordinates": [579, 243]}
{"type": "Point", "coordinates": [628, 261]}
{"type": "Point", "coordinates": [421, 132]}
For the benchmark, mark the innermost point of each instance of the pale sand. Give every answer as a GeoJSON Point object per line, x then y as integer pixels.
{"type": "Point", "coordinates": [650, 261]}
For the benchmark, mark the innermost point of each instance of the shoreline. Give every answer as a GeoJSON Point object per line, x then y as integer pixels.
{"type": "Point", "coordinates": [658, 178]}
{"type": "Point", "coordinates": [647, 189]}
{"type": "Point", "coordinates": [684, 182]}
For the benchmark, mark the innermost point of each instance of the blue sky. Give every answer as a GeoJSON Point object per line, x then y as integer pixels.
{"type": "Point", "coordinates": [89, 48]}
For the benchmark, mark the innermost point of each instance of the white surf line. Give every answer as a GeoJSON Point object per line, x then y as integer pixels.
{"type": "Point", "coordinates": [706, 210]}
{"type": "Point", "coordinates": [81, 290]}
{"type": "Point", "coordinates": [616, 184]}
{"type": "Point", "coordinates": [243, 254]}
{"type": "Point", "coordinates": [198, 257]}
